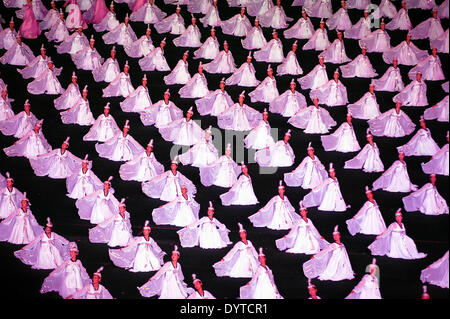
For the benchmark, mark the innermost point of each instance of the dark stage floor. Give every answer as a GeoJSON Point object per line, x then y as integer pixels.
{"type": "Point", "coordinates": [399, 278]}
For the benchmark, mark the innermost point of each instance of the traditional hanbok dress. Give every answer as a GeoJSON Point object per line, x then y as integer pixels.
{"type": "Point", "coordinates": [87, 59]}
{"type": "Point", "coordinates": [222, 63]}
{"type": "Point", "coordinates": [331, 263]}
{"type": "Point", "coordinates": [394, 243]}
{"type": "Point", "coordinates": [288, 103]}
{"type": "Point", "coordinates": [82, 183]}
{"type": "Point", "coordinates": [18, 54]}
{"type": "Point", "coordinates": [385, 9]}
{"type": "Point", "coordinates": [360, 67]}
{"type": "Point", "coordinates": [261, 286]}
{"type": "Point", "coordinates": [277, 214]}
{"type": "Point", "coordinates": [290, 65]}
{"type": "Point", "coordinates": [58, 31]}
{"type": "Point", "coordinates": [391, 81]}
{"type": "Point", "coordinates": [358, 4]}
{"type": "Point", "coordinates": [392, 124]}
{"type": "Point", "coordinates": [190, 38]}
{"type": "Point", "coordinates": [148, 13]}
{"type": "Point", "coordinates": [303, 238]}
{"type": "Point", "coordinates": [104, 128]}
{"type": "Point", "coordinates": [377, 41]}
{"type": "Point", "coordinates": [154, 60]}
{"type": "Point", "coordinates": [20, 227]}
{"type": "Point", "coordinates": [240, 262]}
{"type": "Point", "coordinates": [239, 118]}
{"type": "Point", "coordinates": [339, 20]}
{"type": "Point", "coordinates": [167, 283]}
{"type": "Point", "coordinates": [139, 48]}
{"type": "Point", "coordinates": [143, 168]}
{"type": "Point", "coordinates": [182, 132]}
{"type": "Point", "coordinates": [30, 145]}
{"type": "Point", "coordinates": [174, 24]}
{"type": "Point", "coordinates": [266, 91]}
{"type": "Point", "coordinates": [414, 94]}
{"type": "Point", "coordinates": [367, 288]}
{"type": "Point", "coordinates": [123, 34]}
{"type": "Point", "coordinates": [9, 201]}
{"type": "Point", "coordinates": [400, 21]}
{"type": "Point", "coordinates": [98, 206]}
{"type": "Point", "coordinates": [80, 113]}
{"type": "Point", "coordinates": [438, 112]}
{"type": "Point", "coordinates": [120, 86]}
{"type": "Point", "coordinates": [430, 68]}
{"type": "Point", "coordinates": [327, 196]}
{"type": "Point", "coordinates": [360, 30]}
{"type": "Point", "coordinates": [272, 52]}
{"type": "Point", "coordinates": [241, 193]}
{"type": "Point", "coordinates": [179, 74]}
{"type": "Point", "coordinates": [441, 43]}
{"type": "Point", "coordinates": [200, 154]}
{"type": "Point", "coordinates": [342, 140]}
{"type": "Point", "coordinates": [6, 111]}
{"type": "Point", "coordinates": [167, 186]}
{"type": "Point", "coordinates": [335, 53]}
{"type": "Point", "coordinates": [314, 120]}
{"type": "Point", "coordinates": [279, 154]}
{"type": "Point", "coordinates": [8, 38]}
{"type": "Point", "coordinates": [211, 17]}
{"type": "Point", "coordinates": [160, 114]}
{"type": "Point", "coordinates": [428, 29]}
{"type": "Point", "coordinates": [309, 174]}
{"type": "Point", "coordinates": [366, 108]}
{"type": "Point", "coordinates": [181, 211]}
{"type": "Point", "coordinates": [137, 101]}
{"type": "Point", "coordinates": [66, 279]}
{"type": "Point", "coordinates": [368, 220]}
{"type": "Point", "coordinates": [333, 93]}
{"type": "Point", "coordinates": [114, 231]}
{"type": "Point", "coordinates": [244, 76]}
{"type": "Point", "coordinates": [421, 144]}
{"type": "Point", "coordinates": [255, 8]}
{"type": "Point", "coordinates": [438, 164]}
{"type": "Point", "coordinates": [427, 200]}
{"type": "Point", "coordinates": [368, 160]}
{"type": "Point", "coordinates": [395, 179]}
{"type": "Point", "coordinates": [196, 87]}
{"type": "Point", "coordinates": [72, 44]}
{"type": "Point", "coordinates": [140, 255]}
{"type": "Point", "coordinates": [50, 18]}
{"type": "Point", "coordinates": [108, 23]}
{"type": "Point", "coordinates": [208, 50]}
{"type": "Point", "coordinates": [44, 251]}
{"type": "Point", "coordinates": [437, 272]}
{"type": "Point", "coordinates": [274, 18]}
{"type": "Point", "coordinates": [302, 29]}
{"type": "Point", "coordinates": [90, 292]}
{"type": "Point", "coordinates": [207, 233]}
{"type": "Point", "coordinates": [321, 9]}
{"type": "Point", "coordinates": [406, 54]}
{"type": "Point", "coordinates": [223, 172]}
{"type": "Point", "coordinates": [96, 12]}
{"type": "Point", "coordinates": [107, 72]}
{"type": "Point", "coordinates": [238, 25]}
{"type": "Point", "coordinates": [18, 125]}
{"type": "Point", "coordinates": [254, 40]}
{"type": "Point", "coordinates": [214, 103]}
{"type": "Point", "coordinates": [260, 137]}
{"type": "Point", "coordinates": [119, 148]}
{"type": "Point", "coordinates": [55, 164]}
{"type": "Point", "coordinates": [36, 66]}
{"type": "Point", "coordinates": [46, 83]}
{"type": "Point", "coordinates": [29, 29]}
{"type": "Point", "coordinates": [314, 79]}
{"type": "Point", "coordinates": [74, 17]}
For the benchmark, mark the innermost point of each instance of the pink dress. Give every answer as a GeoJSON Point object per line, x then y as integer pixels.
{"type": "Point", "coordinates": [96, 12]}
{"type": "Point", "coordinates": [30, 27]}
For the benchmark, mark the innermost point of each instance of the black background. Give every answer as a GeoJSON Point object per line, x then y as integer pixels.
{"type": "Point", "coordinates": [399, 278]}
